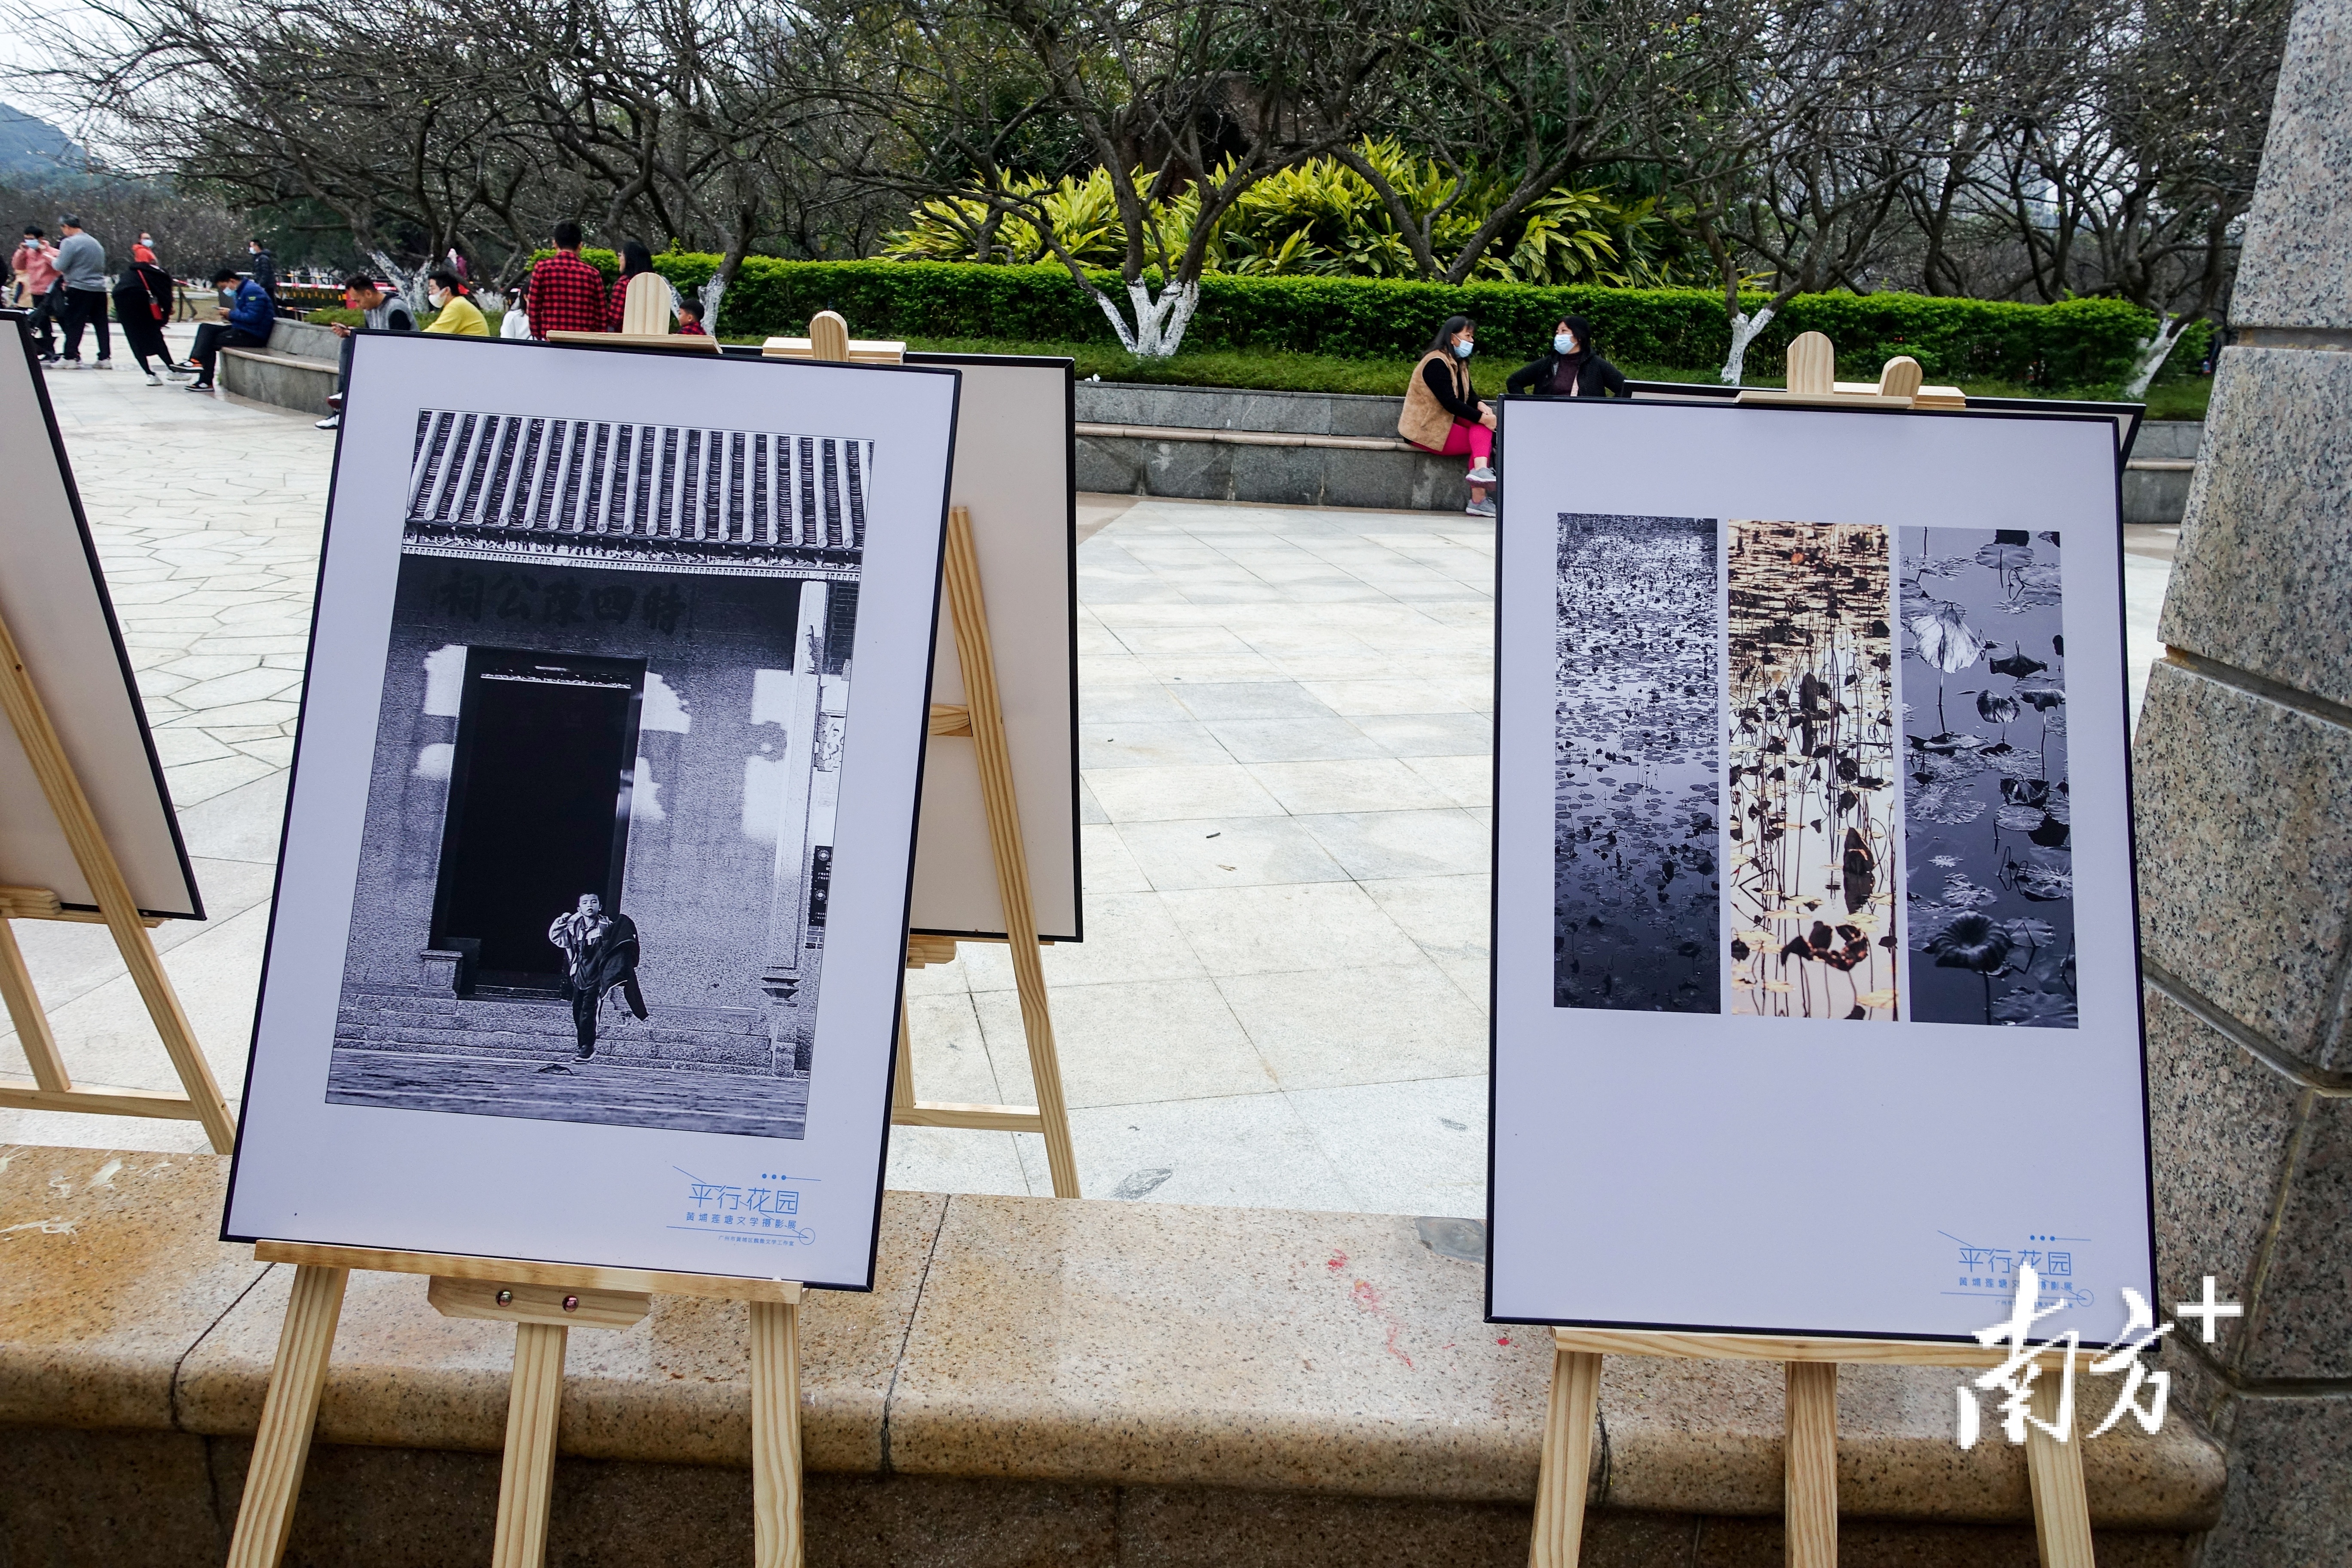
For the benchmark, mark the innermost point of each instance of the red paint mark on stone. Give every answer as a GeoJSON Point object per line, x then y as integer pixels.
{"type": "Point", "coordinates": [1368, 1300]}
{"type": "Point", "coordinates": [1338, 1261]}
{"type": "Point", "coordinates": [1503, 1341]}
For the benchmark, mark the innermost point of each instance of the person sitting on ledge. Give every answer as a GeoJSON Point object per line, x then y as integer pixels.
{"type": "Point", "coordinates": [245, 323]}
{"type": "Point", "coordinates": [1442, 414]}
{"type": "Point", "coordinates": [689, 318]}
{"type": "Point", "coordinates": [1573, 368]}
{"type": "Point", "coordinates": [455, 314]}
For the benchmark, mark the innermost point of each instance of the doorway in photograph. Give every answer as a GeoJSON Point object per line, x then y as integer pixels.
{"type": "Point", "coordinates": [539, 807]}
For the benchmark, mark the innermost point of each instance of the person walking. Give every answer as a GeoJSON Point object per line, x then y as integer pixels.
{"type": "Point", "coordinates": [81, 272]}
{"type": "Point", "coordinates": [566, 294]}
{"type": "Point", "coordinates": [601, 955]}
{"type": "Point", "coordinates": [379, 313]}
{"type": "Point", "coordinates": [245, 323]}
{"type": "Point", "coordinates": [1573, 368]}
{"type": "Point", "coordinates": [265, 268]}
{"type": "Point", "coordinates": [455, 313]}
{"type": "Point", "coordinates": [142, 304]}
{"type": "Point", "coordinates": [1442, 414]}
{"type": "Point", "coordinates": [35, 261]}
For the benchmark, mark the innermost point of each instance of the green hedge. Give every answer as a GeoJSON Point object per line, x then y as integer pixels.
{"type": "Point", "coordinates": [2078, 345]}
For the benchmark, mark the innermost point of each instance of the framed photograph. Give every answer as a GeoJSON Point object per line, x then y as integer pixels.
{"type": "Point", "coordinates": [591, 913]}
{"type": "Point", "coordinates": [1816, 994]}
{"type": "Point", "coordinates": [1015, 470]}
{"type": "Point", "coordinates": [53, 596]}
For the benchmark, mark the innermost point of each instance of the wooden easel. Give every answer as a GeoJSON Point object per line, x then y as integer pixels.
{"type": "Point", "coordinates": [982, 719]}
{"type": "Point", "coordinates": [53, 1087]}
{"type": "Point", "coordinates": [544, 1301]}
{"type": "Point", "coordinates": [2062, 1515]}
{"type": "Point", "coordinates": [1813, 380]}
{"type": "Point", "coordinates": [644, 321]}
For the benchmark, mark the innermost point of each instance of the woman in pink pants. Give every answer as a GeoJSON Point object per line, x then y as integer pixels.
{"type": "Point", "coordinates": [1442, 414]}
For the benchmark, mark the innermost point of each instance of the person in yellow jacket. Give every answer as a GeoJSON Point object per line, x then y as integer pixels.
{"type": "Point", "coordinates": [456, 313]}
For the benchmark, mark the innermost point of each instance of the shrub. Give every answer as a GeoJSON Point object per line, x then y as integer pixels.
{"type": "Point", "coordinates": [2079, 344]}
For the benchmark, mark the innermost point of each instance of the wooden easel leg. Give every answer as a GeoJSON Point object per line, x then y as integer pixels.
{"type": "Point", "coordinates": [776, 1435]}
{"type": "Point", "coordinates": [25, 1012]}
{"type": "Point", "coordinates": [22, 707]}
{"type": "Point", "coordinates": [527, 1478]}
{"type": "Point", "coordinates": [2062, 1510]}
{"type": "Point", "coordinates": [902, 1076]}
{"type": "Point", "coordinates": [281, 1446]}
{"type": "Point", "coordinates": [976, 654]}
{"type": "Point", "coordinates": [172, 1025]}
{"type": "Point", "coordinates": [1810, 1457]}
{"type": "Point", "coordinates": [1567, 1465]}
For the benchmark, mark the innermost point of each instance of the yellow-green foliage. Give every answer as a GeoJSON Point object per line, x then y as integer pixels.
{"type": "Point", "coordinates": [1319, 218]}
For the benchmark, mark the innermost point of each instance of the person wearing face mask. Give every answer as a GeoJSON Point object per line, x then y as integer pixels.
{"type": "Point", "coordinates": [1442, 414]}
{"type": "Point", "coordinates": [1574, 368]}
{"type": "Point", "coordinates": [456, 314]}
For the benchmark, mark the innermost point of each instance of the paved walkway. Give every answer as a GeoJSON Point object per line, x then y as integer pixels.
{"type": "Point", "coordinates": [1285, 718]}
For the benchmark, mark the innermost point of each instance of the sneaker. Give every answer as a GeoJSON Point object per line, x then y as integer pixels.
{"type": "Point", "coordinates": [331, 422]}
{"type": "Point", "coordinates": [104, 364]}
{"type": "Point", "coordinates": [50, 359]}
{"type": "Point", "coordinates": [198, 386]}
{"type": "Point", "coordinates": [1481, 475]}
{"type": "Point", "coordinates": [1480, 508]}
{"type": "Point", "coordinates": [155, 380]}
{"type": "Point", "coordinates": [178, 372]}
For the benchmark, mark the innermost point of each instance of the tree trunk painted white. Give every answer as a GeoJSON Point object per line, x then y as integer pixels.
{"type": "Point", "coordinates": [1158, 326]}
{"type": "Point", "coordinates": [2153, 353]}
{"type": "Point", "coordinates": [1745, 329]}
{"type": "Point", "coordinates": [712, 291]}
{"type": "Point", "coordinates": [409, 284]}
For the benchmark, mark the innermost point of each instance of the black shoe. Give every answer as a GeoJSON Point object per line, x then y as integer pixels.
{"type": "Point", "coordinates": [587, 1051]}
{"type": "Point", "coordinates": [200, 386]}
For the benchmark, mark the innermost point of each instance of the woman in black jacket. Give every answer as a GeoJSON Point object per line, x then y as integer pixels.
{"type": "Point", "coordinates": [1574, 368]}
{"type": "Point", "coordinates": [143, 298]}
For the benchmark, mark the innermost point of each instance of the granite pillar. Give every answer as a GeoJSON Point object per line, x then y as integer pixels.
{"type": "Point", "coordinates": [2244, 765]}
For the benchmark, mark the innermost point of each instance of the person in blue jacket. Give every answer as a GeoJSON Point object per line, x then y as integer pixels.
{"type": "Point", "coordinates": [245, 323]}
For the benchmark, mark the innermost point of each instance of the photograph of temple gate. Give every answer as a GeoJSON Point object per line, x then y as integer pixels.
{"type": "Point", "coordinates": [598, 842]}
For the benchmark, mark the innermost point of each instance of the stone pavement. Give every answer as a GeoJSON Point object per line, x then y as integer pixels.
{"type": "Point", "coordinates": [1281, 1001]}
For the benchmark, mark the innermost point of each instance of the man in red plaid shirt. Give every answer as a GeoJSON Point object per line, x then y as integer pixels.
{"type": "Point", "coordinates": [566, 294]}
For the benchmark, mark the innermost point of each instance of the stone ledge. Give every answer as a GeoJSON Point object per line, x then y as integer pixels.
{"type": "Point", "coordinates": [1025, 1341]}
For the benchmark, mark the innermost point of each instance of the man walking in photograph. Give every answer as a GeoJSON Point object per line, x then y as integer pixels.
{"type": "Point", "coordinates": [600, 956]}
{"type": "Point", "coordinates": [81, 273]}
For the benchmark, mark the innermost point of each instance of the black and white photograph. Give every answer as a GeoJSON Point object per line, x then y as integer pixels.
{"type": "Point", "coordinates": [1810, 850]}
{"type": "Point", "coordinates": [596, 882]}
{"type": "Point", "coordinates": [600, 827]}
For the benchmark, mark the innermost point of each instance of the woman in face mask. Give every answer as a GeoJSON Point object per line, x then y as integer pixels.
{"type": "Point", "coordinates": [1574, 368]}
{"type": "Point", "coordinates": [1442, 414]}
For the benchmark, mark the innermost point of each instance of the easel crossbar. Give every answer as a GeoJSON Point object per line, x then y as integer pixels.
{"type": "Point", "coordinates": [457, 1266]}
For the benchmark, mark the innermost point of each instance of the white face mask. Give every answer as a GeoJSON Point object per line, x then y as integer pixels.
{"type": "Point", "coordinates": [1565, 343]}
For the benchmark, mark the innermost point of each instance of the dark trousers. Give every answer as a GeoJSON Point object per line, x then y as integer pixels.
{"type": "Point", "coordinates": [143, 334]}
{"type": "Point", "coordinates": [47, 309]}
{"type": "Point", "coordinates": [84, 306]}
{"type": "Point", "coordinates": [214, 336]}
{"type": "Point", "coordinates": [583, 1012]}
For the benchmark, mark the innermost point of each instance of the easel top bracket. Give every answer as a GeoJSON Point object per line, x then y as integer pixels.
{"type": "Point", "coordinates": [513, 1271]}
{"type": "Point", "coordinates": [1813, 382]}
